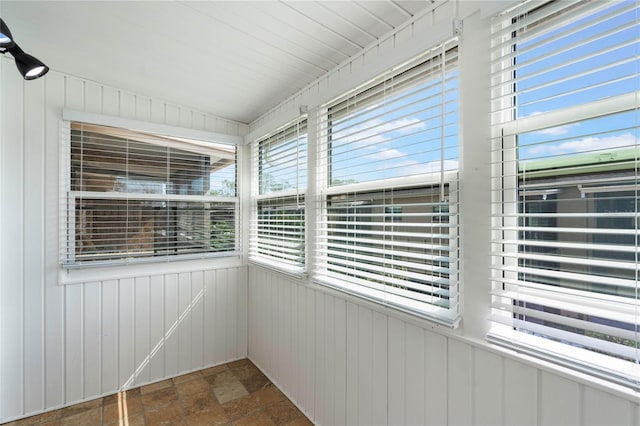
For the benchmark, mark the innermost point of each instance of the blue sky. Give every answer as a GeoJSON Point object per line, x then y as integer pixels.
{"type": "Point", "coordinates": [401, 135]}
{"type": "Point", "coordinates": [589, 64]}
{"type": "Point", "coordinates": [398, 136]}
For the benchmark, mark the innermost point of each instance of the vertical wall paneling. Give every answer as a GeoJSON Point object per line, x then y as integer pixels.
{"type": "Point", "coordinates": [414, 378]}
{"type": "Point", "coordinates": [127, 106]}
{"type": "Point", "coordinates": [61, 344]}
{"type": "Point", "coordinates": [11, 245]}
{"type": "Point", "coordinates": [110, 327]}
{"type": "Point", "coordinates": [364, 367]}
{"type": "Point", "coordinates": [278, 341]}
{"type": "Point", "coordinates": [143, 108]}
{"type": "Point", "coordinates": [396, 371]}
{"type": "Point", "coordinates": [74, 366]}
{"type": "Point", "coordinates": [91, 339]}
{"type": "Point", "coordinates": [560, 400]}
{"type": "Point", "coordinates": [618, 412]}
{"type": "Point", "coordinates": [460, 385]}
{"type": "Point", "coordinates": [290, 360]}
{"type": "Point", "coordinates": [435, 395]}
{"type": "Point", "coordinates": [185, 311]}
{"type": "Point", "coordinates": [231, 314]}
{"type": "Point", "coordinates": [74, 93]}
{"type": "Point", "coordinates": [520, 394]}
{"type": "Point", "coordinates": [294, 359]}
{"type": "Point", "coordinates": [264, 293]}
{"type": "Point", "coordinates": [253, 314]}
{"type": "Point", "coordinates": [433, 376]}
{"type": "Point", "coordinates": [241, 331]}
{"type": "Point", "coordinates": [126, 332]}
{"type": "Point", "coordinates": [110, 101]}
{"type": "Point", "coordinates": [343, 362]}
{"type": "Point", "coordinates": [156, 348]}
{"type": "Point", "coordinates": [275, 329]}
{"type": "Point", "coordinates": [210, 340]}
{"type": "Point", "coordinates": [268, 293]}
{"type": "Point", "coordinates": [74, 389]}
{"type": "Point", "coordinates": [353, 360]}
{"type": "Point", "coordinates": [338, 393]}
{"type": "Point", "coordinates": [172, 115]}
{"type": "Point", "coordinates": [379, 365]}
{"type": "Point", "coordinates": [285, 342]}
{"type": "Point", "coordinates": [488, 387]}
{"type": "Point", "coordinates": [197, 320]}
{"type": "Point", "coordinates": [34, 247]}
{"type": "Point", "coordinates": [322, 400]}
{"type": "Point", "coordinates": [220, 323]}
{"type": "Point", "coordinates": [186, 118]}
{"type": "Point", "coordinates": [309, 350]}
{"type": "Point", "coordinates": [158, 112]}
{"type": "Point", "coordinates": [54, 294]}
{"type": "Point", "coordinates": [332, 375]}
{"type": "Point", "coordinates": [171, 329]}
{"type": "Point", "coordinates": [141, 331]}
{"type": "Point", "coordinates": [92, 98]}
{"type": "Point", "coordinates": [284, 339]}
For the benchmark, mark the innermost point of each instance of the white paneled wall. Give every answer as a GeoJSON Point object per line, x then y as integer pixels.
{"type": "Point", "coordinates": [345, 362]}
{"type": "Point", "coordinates": [60, 344]}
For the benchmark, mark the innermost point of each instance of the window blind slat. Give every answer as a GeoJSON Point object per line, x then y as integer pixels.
{"type": "Point", "coordinates": [134, 196]}
{"type": "Point", "coordinates": [278, 217]}
{"type": "Point", "coordinates": [386, 231]}
{"type": "Point", "coordinates": [565, 197]}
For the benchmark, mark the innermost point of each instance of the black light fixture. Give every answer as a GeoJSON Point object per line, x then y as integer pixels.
{"type": "Point", "coordinates": [30, 67]}
{"type": "Point", "coordinates": [6, 39]}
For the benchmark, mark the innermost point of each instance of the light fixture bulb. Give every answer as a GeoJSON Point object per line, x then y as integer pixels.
{"type": "Point", "coordinates": [6, 39]}
{"type": "Point", "coordinates": [30, 67]}
{"type": "Point", "coordinates": [35, 72]}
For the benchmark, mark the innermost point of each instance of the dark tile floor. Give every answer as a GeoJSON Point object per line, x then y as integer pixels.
{"type": "Point", "coordinates": [236, 393]}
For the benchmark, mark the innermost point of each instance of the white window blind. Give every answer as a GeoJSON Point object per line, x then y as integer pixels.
{"type": "Point", "coordinates": [389, 203]}
{"type": "Point", "coordinates": [566, 81]}
{"type": "Point", "coordinates": [280, 170]}
{"type": "Point", "coordinates": [132, 197]}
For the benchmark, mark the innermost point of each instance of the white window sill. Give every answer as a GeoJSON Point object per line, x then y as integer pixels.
{"type": "Point", "coordinates": [166, 266]}
{"type": "Point", "coordinates": [614, 373]}
{"type": "Point", "coordinates": [292, 271]}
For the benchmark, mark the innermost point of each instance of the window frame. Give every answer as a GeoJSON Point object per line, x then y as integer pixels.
{"type": "Point", "coordinates": [508, 328]}
{"type": "Point", "coordinates": [427, 181]}
{"type": "Point", "coordinates": [281, 258]}
{"type": "Point", "coordinates": [67, 225]}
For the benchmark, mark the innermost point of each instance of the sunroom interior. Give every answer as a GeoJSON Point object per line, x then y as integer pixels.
{"type": "Point", "coordinates": [402, 212]}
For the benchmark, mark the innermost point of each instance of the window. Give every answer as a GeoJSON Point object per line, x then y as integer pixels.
{"type": "Point", "coordinates": [280, 165]}
{"type": "Point", "coordinates": [132, 196]}
{"type": "Point", "coordinates": [388, 213]}
{"type": "Point", "coordinates": [566, 186]}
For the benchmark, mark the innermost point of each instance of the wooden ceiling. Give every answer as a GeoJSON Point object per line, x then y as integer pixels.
{"type": "Point", "coordinates": [234, 59]}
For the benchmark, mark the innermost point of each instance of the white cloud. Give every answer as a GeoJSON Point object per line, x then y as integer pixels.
{"type": "Point", "coordinates": [385, 154]}
{"type": "Point", "coordinates": [582, 145]}
{"type": "Point", "coordinates": [374, 132]}
{"type": "Point", "coordinates": [415, 168]}
{"type": "Point", "coordinates": [435, 166]}
{"type": "Point", "coordinates": [407, 125]}
{"type": "Point", "coordinates": [558, 131]}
